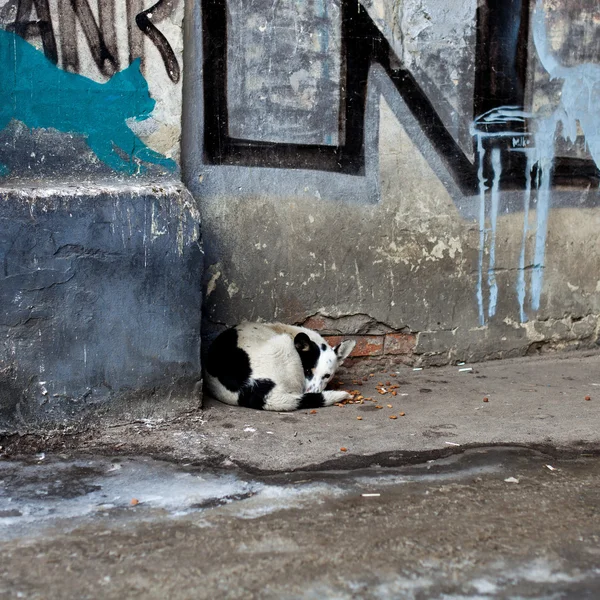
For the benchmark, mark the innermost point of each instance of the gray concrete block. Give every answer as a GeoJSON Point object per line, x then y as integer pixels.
{"type": "Point", "coordinates": [99, 304]}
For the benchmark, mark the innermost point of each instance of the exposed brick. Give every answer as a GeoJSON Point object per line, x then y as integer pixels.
{"type": "Point", "coordinates": [317, 323]}
{"type": "Point", "coordinates": [399, 343]}
{"type": "Point", "coordinates": [366, 345]}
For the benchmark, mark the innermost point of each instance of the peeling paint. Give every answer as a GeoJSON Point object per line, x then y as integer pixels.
{"type": "Point", "coordinates": [452, 247]}
{"type": "Point", "coordinates": [212, 283]}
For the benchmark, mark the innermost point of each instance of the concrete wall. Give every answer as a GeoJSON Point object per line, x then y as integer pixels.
{"type": "Point", "coordinates": [100, 247]}
{"type": "Point", "coordinates": [399, 171]}
{"type": "Point", "coordinates": [421, 175]}
{"type": "Point", "coordinates": [100, 305]}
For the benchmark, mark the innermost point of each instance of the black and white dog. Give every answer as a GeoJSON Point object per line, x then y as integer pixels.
{"type": "Point", "coordinates": [272, 366]}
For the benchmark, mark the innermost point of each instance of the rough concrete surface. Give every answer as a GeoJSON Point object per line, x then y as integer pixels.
{"type": "Point", "coordinates": [488, 524]}
{"type": "Point", "coordinates": [531, 402]}
{"type": "Point", "coordinates": [100, 303]}
{"type": "Point", "coordinates": [235, 503]}
{"type": "Point", "coordinates": [535, 402]}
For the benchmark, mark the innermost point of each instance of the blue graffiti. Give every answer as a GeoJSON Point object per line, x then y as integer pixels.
{"type": "Point", "coordinates": [578, 106]}
{"type": "Point", "coordinates": [509, 121]}
{"type": "Point", "coordinates": [41, 96]}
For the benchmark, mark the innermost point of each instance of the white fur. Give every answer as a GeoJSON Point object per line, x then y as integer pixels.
{"type": "Point", "coordinates": [273, 356]}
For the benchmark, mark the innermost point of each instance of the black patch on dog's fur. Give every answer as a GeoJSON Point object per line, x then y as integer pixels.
{"type": "Point", "coordinates": [228, 363]}
{"type": "Point", "coordinates": [253, 396]}
{"type": "Point", "coordinates": [309, 353]}
{"type": "Point", "coordinates": [311, 401]}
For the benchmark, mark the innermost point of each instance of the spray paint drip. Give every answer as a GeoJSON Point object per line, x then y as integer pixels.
{"type": "Point", "coordinates": [509, 122]}
{"type": "Point", "coordinates": [497, 125]}
{"type": "Point", "coordinates": [578, 108]}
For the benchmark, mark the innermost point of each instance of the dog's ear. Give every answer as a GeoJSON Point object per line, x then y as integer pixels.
{"type": "Point", "coordinates": [343, 350]}
{"type": "Point", "coordinates": [302, 342]}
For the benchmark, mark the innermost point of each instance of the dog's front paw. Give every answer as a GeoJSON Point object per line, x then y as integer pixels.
{"type": "Point", "coordinates": [331, 397]}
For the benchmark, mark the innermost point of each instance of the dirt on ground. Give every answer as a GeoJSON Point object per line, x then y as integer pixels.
{"type": "Point", "coordinates": [488, 524]}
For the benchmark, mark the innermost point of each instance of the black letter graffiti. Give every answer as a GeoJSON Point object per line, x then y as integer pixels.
{"type": "Point", "coordinates": [106, 61]}
{"type": "Point", "coordinates": [158, 12]}
{"type": "Point", "coordinates": [362, 44]}
{"type": "Point", "coordinates": [500, 73]}
{"type": "Point", "coordinates": [41, 27]}
{"type": "Point", "coordinates": [101, 35]}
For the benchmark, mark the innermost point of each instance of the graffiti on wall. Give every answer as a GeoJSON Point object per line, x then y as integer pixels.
{"type": "Point", "coordinates": [532, 136]}
{"type": "Point", "coordinates": [294, 64]}
{"type": "Point", "coordinates": [500, 79]}
{"type": "Point", "coordinates": [74, 52]}
{"type": "Point", "coordinates": [69, 103]}
{"type": "Point", "coordinates": [34, 20]}
{"type": "Point", "coordinates": [361, 44]}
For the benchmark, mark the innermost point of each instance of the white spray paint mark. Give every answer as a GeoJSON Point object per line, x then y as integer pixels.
{"type": "Point", "coordinates": [505, 122]}
{"type": "Point", "coordinates": [521, 285]}
{"type": "Point", "coordinates": [144, 243]}
{"type": "Point", "coordinates": [155, 225]}
{"type": "Point", "coordinates": [493, 285]}
{"type": "Point", "coordinates": [482, 188]}
{"type": "Point", "coordinates": [578, 105]}
{"type": "Point", "coordinates": [544, 150]}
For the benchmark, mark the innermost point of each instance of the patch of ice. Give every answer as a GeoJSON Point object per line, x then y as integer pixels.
{"type": "Point", "coordinates": [274, 498]}
{"type": "Point", "coordinates": [484, 586]}
{"type": "Point", "coordinates": [48, 492]}
{"type": "Point", "coordinates": [541, 571]}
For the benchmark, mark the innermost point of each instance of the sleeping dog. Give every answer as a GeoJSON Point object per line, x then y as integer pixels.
{"type": "Point", "coordinates": [272, 366]}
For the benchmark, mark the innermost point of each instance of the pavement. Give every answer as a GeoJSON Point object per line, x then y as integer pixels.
{"type": "Point", "coordinates": [486, 524]}
{"type": "Point", "coordinates": [537, 402]}
{"type": "Point", "coordinates": [487, 487]}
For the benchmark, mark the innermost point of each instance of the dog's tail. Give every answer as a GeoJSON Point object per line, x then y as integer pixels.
{"type": "Point", "coordinates": [284, 402]}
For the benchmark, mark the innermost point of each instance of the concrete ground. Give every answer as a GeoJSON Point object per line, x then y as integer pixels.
{"type": "Point", "coordinates": [459, 498]}
{"type": "Point", "coordinates": [487, 524]}
{"type": "Point", "coordinates": [534, 402]}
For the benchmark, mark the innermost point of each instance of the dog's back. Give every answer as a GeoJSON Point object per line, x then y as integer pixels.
{"type": "Point", "coordinates": [265, 366]}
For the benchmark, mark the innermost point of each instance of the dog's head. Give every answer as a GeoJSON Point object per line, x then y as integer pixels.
{"type": "Point", "coordinates": [319, 360]}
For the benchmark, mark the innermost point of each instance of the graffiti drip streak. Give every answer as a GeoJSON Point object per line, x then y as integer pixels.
{"type": "Point", "coordinates": [482, 188]}
{"type": "Point", "coordinates": [493, 285]}
{"type": "Point", "coordinates": [490, 129]}
{"type": "Point", "coordinates": [577, 108]}
{"type": "Point", "coordinates": [521, 284]}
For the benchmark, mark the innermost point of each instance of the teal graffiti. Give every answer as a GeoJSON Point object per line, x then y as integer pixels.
{"type": "Point", "coordinates": [41, 96]}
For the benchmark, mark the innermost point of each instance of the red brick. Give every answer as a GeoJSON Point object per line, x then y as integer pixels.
{"type": "Point", "coordinates": [317, 323]}
{"type": "Point", "coordinates": [366, 345]}
{"type": "Point", "coordinates": [399, 343]}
